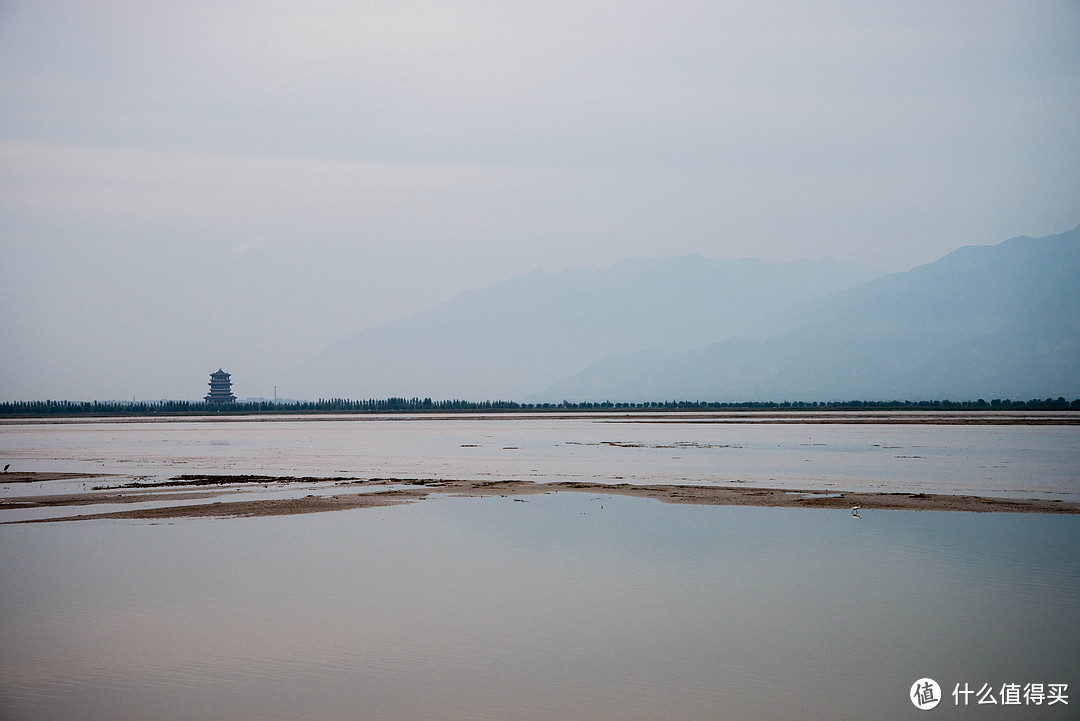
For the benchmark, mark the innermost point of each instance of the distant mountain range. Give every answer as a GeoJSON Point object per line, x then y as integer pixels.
{"type": "Point", "coordinates": [985, 321]}
{"type": "Point", "coordinates": [512, 339]}
{"type": "Point", "coordinates": [997, 321]}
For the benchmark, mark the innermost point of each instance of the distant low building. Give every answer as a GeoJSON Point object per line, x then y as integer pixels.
{"type": "Point", "coordinates": [220, 388]}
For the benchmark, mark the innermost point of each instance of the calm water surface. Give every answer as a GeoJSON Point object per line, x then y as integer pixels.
{"type": "Point", "coordinates": [567, 605]}
{"type": "Point", "coordinates": [557, 606]}
{"type": "Point", "coordinates": [1007, 460]}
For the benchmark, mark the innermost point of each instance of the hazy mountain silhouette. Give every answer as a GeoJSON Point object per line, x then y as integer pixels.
{"type": "Point", "coordinates": [997, 321]}
{"type": "Point", "coordinates": [510, 339]}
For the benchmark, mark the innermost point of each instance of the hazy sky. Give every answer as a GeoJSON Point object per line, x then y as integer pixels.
{"type": "Point", "coordinates": [188, 185]}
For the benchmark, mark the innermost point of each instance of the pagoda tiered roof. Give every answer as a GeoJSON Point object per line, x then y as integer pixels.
{"type": "Point", "coordinates": [220, 388]}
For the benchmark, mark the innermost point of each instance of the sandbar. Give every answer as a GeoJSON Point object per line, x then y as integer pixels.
{"type": "Point", "coordinates": [206, 496]}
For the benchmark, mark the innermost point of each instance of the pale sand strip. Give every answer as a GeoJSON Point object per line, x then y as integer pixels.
{"type": "Point", "coordinates": [409, 490]}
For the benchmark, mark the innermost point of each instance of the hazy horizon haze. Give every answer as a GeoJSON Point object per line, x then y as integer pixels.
{"type": "Point", "coordinates": [239, 184]}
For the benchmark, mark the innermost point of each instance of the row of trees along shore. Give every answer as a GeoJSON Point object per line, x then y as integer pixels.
{"type": "Point", "coordinates": [427, 405]}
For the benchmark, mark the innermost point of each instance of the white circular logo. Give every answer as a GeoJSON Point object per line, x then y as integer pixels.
{"type": "Point", "coordinates": [925, 694]}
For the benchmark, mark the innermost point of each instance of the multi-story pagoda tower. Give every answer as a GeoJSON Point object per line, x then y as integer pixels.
{"type": "Point", "coordinates": [220, 388]}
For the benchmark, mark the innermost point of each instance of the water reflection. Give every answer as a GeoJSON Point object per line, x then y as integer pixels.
{"type": "Point", "coordinates": [459, 608]}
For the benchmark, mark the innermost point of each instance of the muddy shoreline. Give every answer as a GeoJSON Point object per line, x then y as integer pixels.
{"type": "Point", "coordinates": [381, 492]}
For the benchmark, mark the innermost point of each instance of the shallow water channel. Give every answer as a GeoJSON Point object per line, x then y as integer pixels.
{"type": "Point", "coordinates": [565, 605]}
{"type": "Point", "coordinates": [995, 460]}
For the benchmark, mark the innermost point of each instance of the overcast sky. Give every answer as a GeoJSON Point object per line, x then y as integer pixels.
{"type": "Point", "coordinates": [188, 185]}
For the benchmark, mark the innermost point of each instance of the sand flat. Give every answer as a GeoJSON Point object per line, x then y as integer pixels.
{"type": "Point", "coordinates": [379, 492]}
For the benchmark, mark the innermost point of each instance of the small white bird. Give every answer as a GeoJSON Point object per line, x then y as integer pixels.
{"type": "Point", "coordinates": [855, 511]}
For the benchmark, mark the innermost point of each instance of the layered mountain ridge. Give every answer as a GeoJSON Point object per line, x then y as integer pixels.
{"type": "Point", "coordinates": [983, 321]}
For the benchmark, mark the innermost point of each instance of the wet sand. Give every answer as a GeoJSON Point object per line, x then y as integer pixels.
{"type": "Point", "coordinates": [31, 477]}
{"type": "Point", "coordinates": [209, 496]}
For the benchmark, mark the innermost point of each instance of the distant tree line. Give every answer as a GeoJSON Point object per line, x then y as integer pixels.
{"type": "Point", "coordinates": [427, 405]}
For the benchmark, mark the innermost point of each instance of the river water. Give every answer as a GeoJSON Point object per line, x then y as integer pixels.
{"type": "Point", "coordinates": [997, 460]}
{"type": "Point", "coordinates": [560, 606]}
